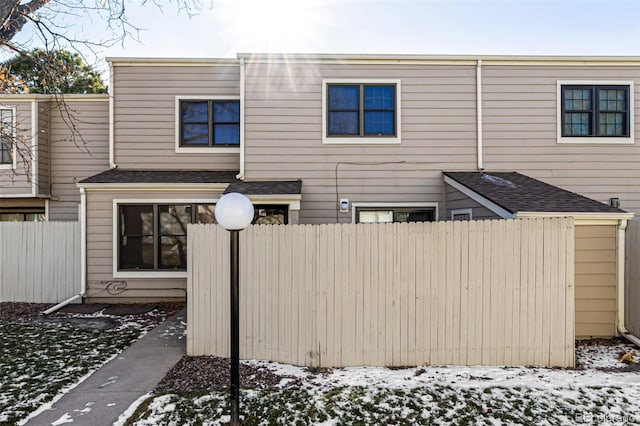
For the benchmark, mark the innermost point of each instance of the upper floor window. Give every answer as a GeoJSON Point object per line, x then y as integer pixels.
{"type": "Point", "coordinates": [595, 112]}
{"type": "Point", "coordinates": [212, 123]}
{"type": "Point", "coordinates": [361, 111]}
{"type": "Point", "coordinates": [6, 136]}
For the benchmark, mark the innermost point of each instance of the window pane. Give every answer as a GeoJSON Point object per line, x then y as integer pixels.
{"type": "Point", "coordinates": [136, 220]}
{"type": "Point", "coordinates": [226, 134]}
{"type": "Point", "coordinates": [174, 219]}
{"type": "Point", "coordinates": [379, 97]}
{"type": "Point", "coordinates": [380, 216]}
{"type": "Point", "coordinates": [612, 100]}
{"type": "Point", "coordinates": [378, 123]}
{"type": "Point", "coordinates": [11, 217]}
{"type": "Point", "coordinates": [195, 112]}
{"type": "Point", "coordinates": [270, 215]}
{"type": "Point", "coordinates": [577, 99]}
{"type": "Point", "coordinates": [173, 253]}
{"type": "Point", "coordinates": [577, 124]}
{"type": "Point", "coordinates": [344, 98]}
{"type": "Point", "coordinates": [226, 112]}
{"type": "Point", "coordinates": [5, 154]}
{"type": "Point", "coordinates": [195, 134]}
{"type": "Point", "coordinates": [6, 134]}
{"type": "Point", "coordinates": [414, 216]}
{"type": "Point", "coordinates": [205, 213]}
{"type": "Point", "coordinates": [611, 124]}
{"type": "Point", "coordinates": [136, 253]}
{"type": "Point", "coordinates": [343, 123]}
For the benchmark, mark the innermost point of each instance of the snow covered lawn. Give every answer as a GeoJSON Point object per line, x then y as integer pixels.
{"type": "Point", "coordinates": [602, 390]}
{"type": "Point", "coordinates": [41, 359]}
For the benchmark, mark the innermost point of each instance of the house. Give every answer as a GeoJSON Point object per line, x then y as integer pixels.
{"type": "Point", "coordinates": [329, 138]}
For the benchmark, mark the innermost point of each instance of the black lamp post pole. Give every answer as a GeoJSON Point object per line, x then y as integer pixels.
{"type": "Point", "coordinates": [235, 331]}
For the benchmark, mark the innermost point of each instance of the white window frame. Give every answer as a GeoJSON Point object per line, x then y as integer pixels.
{"type": "Point", "coordinates": [594, 139]}
{"type": "Point", "coordinates": [116, 236]}
{"type": "Point", "coordinates": [462, 211]}
{"type": "Point", "coordinates": [383, 206]}
{"type": "Point", "coordinates": [13, 131]}
{"type": "Point", "coordinates": [360, 140]}
{"type": "Point", "coordinates": [204, 149]}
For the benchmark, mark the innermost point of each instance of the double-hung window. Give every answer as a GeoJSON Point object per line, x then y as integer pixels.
{"type": "Point", "coordinates": [207, 123]}
{"type": "Point", "coordinates": [595, 113]}
{"type": "Point", "coordinates": [6, 137]}
{"type": "Point", "coordinates": [361, 112]}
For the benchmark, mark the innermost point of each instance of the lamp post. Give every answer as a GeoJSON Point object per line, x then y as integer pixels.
{"type": "Point", "coordinates": [234, 212]}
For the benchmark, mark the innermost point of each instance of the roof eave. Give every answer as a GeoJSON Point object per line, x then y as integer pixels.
{"type": "Point", "coordinates": [109, 186]}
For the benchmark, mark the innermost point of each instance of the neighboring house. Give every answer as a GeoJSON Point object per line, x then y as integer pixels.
{"type": "Point", "coordinates": [40, 160]}
{"type": "Point", "coordinates": [339, 138]}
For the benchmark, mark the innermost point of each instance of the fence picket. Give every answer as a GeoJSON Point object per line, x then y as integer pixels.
{"type": "Point", "coordinates": [487, 292]}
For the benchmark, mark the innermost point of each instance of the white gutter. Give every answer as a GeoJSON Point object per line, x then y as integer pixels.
{"type": "Point", "coordinates": [83, 255]}
{"type": "Point", "coordinates": [112, 148]}
{"type": "Point", "coordinates": [34, 148]}
{"type": "Point", "coordinates": [479, 111]}
{"type": "Point", "coordinates": [622, 329]}
{"type": "Point", "coordinates": [242, 108]}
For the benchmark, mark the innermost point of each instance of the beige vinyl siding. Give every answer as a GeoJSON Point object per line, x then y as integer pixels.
{"type": "Point", "coordinates": [44, 147]}
{"type": "Point", "coordinates": [457, 200]}
{"type": "Point", "coordinates": [71, 160]}
{"type": "Point", "coordinates": [18, 181]}
{"type": "Point", "coordinates": [283, 119]}
{"type": "Point", "coordinates": [595, 256]}
{"type": "Point", "coordinates": [145, 114]}
{"type": "Point", "coordinates": [520, 116]}
{"type": "Point", "coordinates": [100, 247]}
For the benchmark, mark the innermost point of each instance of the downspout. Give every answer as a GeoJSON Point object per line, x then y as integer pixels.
{"type": "Point", "coordinates": [34, 148]}
{"type": "Point", "coordinates": [479, 112]}
{"type": "Point", "coordinates": [622, 329]}
{"type": "Point", "coordinates": [112, 148]}
{"type": "Point", "coordinates": [83, 255]}
{"type": "Point", "coordinates": [242, 108]}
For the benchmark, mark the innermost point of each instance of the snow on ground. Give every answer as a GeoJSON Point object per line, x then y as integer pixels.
{"type": "Point", "coordinates": [42, 360]}
{"type": "Point", "coordinates": [602, 391]}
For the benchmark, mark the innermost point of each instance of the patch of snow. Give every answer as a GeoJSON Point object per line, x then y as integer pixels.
{"type": "Point", "coordinates": [122, 419]}
{"type": "Point", "coordinates": [66, 418]}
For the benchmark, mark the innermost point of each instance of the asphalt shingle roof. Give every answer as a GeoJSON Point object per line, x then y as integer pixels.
{"type": "Point", "coordinates": [519, 193]}
{"type": "Point", "coordinates": [163, 176]}
{"type": "Point", "coordinates": [266, 187]}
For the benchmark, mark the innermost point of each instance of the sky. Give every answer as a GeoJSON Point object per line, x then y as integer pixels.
{"type": "Point", "coordinates": [222, 28]}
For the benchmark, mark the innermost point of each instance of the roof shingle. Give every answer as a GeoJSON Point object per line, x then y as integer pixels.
{"type": "Point", "coordinates": [266, 187]}
{"type": "Point", "coordinates": [519, 193]}
{"type": "Point", "coordinates": [163, 176]}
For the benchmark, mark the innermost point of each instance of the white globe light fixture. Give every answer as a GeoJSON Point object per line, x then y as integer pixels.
{"type": "Point", "coordinates": [234, 211]}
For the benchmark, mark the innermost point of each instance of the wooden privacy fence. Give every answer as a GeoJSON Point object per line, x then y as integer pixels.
{"type": "Point", "coordinates": [464, 293]}
{"type": "Point", "coordinates": [632, 278]}
{"type": "Point", "coordinates": [39, 262]}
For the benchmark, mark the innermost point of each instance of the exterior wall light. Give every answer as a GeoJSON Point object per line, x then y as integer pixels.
{"type": "Point", "coordinates": [234, 212]}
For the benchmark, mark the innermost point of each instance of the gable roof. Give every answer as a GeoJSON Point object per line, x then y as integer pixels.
{"type": "Point", "coordinates": [515, 193]}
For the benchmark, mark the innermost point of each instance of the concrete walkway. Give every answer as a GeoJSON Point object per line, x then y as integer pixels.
{"type": "Point", "coordinates": [108, 392]}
